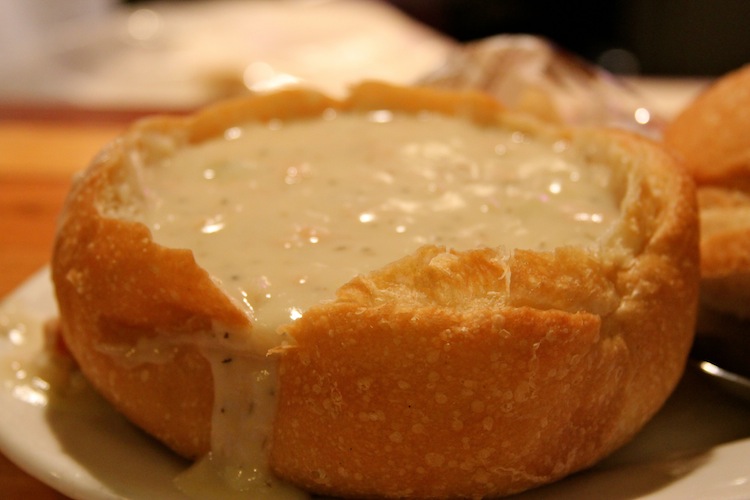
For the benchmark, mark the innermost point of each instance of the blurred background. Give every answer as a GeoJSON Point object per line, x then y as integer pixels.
{"type": "Point", "coordinates": [182, 53]}
{"type": "Point", "coordinates": [651, 37]}
{"type": "Point", "coordinates": [648, 37]}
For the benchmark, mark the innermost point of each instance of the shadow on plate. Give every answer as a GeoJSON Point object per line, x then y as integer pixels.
{"type": "Point", "coordinates": [123, 461]}
{"type": "Point", "coordinates": [677, 442]}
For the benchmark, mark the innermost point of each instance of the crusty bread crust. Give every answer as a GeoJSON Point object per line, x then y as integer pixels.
{"type": "Point", "coordinates": [710, 137]}
{"type": "Point", "coordinates": [725, 250]}
{"type": "Point", "coordinates": [444, 374]}
{"type": "Point", "coordinates": [710, 134]}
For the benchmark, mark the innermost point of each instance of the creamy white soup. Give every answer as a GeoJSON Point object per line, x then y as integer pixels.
{"type": "Point", "coordinates": [283, 213]}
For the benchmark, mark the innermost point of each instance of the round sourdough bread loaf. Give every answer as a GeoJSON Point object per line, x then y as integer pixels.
{"type": "Point", "coordinates": [710, 137]}
{"type": "Point", "coordinates": [524, 307]}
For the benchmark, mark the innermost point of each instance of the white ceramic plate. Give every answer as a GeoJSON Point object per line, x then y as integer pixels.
{"type": "Point", "coordinates": [698, 446]}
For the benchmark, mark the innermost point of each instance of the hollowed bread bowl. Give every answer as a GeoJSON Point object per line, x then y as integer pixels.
{"type": "Point", "coordinates": [444, 372]}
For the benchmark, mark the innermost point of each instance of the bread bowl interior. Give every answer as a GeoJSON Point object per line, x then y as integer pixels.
{"type": "Point", "coordinates": [405, 293]}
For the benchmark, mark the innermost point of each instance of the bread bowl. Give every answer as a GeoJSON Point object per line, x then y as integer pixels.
{"type": "Point", "coordinates": [482, 368]}
{"type": "Point", "coordinates": [710, 138]}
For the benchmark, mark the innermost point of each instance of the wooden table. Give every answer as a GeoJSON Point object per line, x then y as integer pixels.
{"type": "Point", "coordinates": [40, 151]}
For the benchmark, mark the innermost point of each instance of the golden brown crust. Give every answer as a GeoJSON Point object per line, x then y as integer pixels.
{"type": "Point", "coordinates": [115, 289]}
{"type": "Point", "coordinates": [725, 250]}
{"type": "Point", "coordinates": [444, 374]}
{"type": "Point", "coordinates": [711, 138]}
{"type": "Point", "coordinates": [710, 134]}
